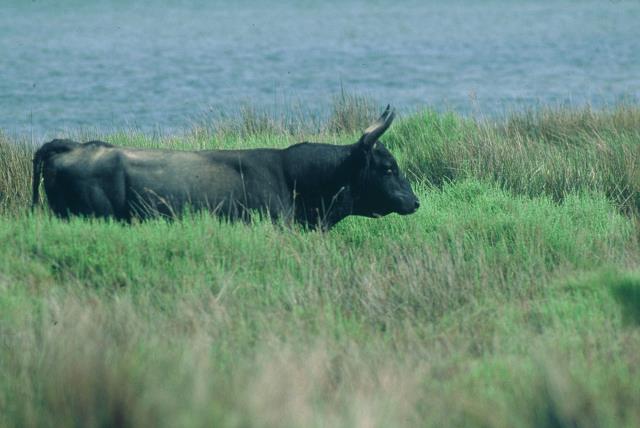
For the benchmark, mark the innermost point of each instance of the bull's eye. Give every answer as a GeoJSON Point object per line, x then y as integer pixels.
{"type": "Point", "coordinates": [389, 172]}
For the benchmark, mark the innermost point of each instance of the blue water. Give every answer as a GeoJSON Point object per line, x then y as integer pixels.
{"type": "Point", "coordinates": [159, 64]}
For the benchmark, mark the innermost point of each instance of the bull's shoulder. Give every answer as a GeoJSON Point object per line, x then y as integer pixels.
{"type": "Point", "coordinates": [308, 148]}
{"type": "Point", "coordinates": [306, 154]}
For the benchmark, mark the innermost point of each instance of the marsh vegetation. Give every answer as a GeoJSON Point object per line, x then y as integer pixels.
{"type": "Point", "coordinates": [511, 298]}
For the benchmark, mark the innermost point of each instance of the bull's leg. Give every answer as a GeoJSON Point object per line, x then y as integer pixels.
{"type": "Point", "coordinates": [56, 197]}
{"type": "Point", "coordinates": [99, 204]}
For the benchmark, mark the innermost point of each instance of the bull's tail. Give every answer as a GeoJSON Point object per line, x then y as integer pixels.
{"type": "Point", "coordinates": [43, 153]}
{"type": "Point", "coordinates": [35, 183]}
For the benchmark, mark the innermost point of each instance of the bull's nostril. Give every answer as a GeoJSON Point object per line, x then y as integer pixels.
{"type": "Point", "coordinates": [417, 204]}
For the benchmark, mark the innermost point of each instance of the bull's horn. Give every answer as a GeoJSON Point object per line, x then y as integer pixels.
{"type": "Point", "coordinates": [373, 132]}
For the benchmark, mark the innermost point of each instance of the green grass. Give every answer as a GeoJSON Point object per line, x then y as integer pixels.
{"type": "Point", "coordinates": [509, 299]}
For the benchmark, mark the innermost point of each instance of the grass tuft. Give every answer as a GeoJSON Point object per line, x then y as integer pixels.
{"type": "Point", "coordinates": [351, 114]}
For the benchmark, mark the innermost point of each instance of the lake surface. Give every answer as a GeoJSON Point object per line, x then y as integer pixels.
{"type": "Point", "coordinates": [160, 64]}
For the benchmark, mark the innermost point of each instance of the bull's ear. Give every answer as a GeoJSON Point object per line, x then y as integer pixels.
{"type": "Point", "coordinates": [375, 131]}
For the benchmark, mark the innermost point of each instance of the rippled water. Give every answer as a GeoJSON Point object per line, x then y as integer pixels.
{"type": "Point", "coordinates": [159, 64]}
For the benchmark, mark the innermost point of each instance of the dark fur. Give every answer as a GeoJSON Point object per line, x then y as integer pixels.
{"type": "Point", "coordinates": [313, 184]}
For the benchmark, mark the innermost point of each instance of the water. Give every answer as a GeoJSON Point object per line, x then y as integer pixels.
{"type": "Point", "coordinates": [159, 64]}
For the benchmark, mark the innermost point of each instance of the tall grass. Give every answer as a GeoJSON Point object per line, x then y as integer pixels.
{"type": "Point", "coordinates": [543, 152]}
{"type": "Point", "coordinates": [15, 174]}
{"type": "Point", "coordinates": [546, 152]}
{"type": "Point", "coordinates": [508, 299]}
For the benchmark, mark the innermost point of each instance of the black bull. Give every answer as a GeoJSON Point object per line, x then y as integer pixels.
{"type": "Point", "coordinates": [313, 184]}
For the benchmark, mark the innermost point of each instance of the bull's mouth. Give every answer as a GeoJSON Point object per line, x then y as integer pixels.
{"type": "Point", "coordinates": [409, 210]}
{"type": "Point", "coordinates": [404, 209]}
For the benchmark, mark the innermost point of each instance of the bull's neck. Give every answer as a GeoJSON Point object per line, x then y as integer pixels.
{"type": "Point", "coordinates": [320, 178]}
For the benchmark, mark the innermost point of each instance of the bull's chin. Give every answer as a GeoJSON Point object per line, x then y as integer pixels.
{"type": "Point", "coordinates": [407, 211]}
{"type": "Point", "coordinates": [374, 214]}
{"type": "Point", "coordinates": [401, 211]}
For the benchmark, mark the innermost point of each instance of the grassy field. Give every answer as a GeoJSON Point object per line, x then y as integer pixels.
{"type": "Point", "coordinates": [510, 299]}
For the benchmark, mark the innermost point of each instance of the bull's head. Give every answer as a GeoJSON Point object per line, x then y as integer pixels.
{"type": "Point", "coordinates": [380, 187]}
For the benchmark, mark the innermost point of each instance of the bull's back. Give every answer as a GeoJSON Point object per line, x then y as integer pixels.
{"type": "Point", "coordinates": [228, 182]}
{"type": "Point", "coordinates": [101, 180]}
{"type": "Point", "coordinates": [166, 182]}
